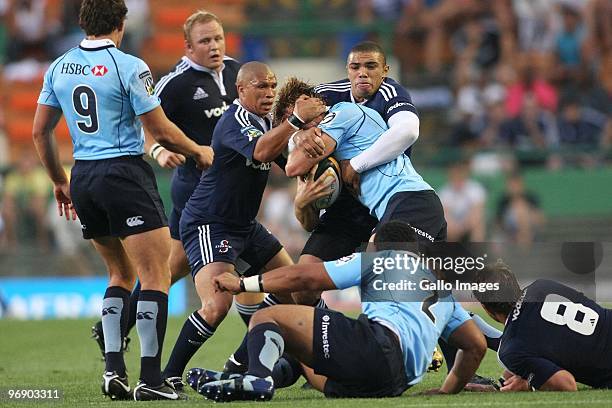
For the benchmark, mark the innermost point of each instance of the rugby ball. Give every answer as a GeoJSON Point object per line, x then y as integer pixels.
{"type": "Point", "coordinates": [329, 167]}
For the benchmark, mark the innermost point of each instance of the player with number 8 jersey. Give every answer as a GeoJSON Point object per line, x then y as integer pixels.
{"type": "Point", "coordinates": [554, 336]}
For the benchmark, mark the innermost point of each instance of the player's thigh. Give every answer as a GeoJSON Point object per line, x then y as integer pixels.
{"type": "Point", "coordinates": [149, 251]}
{"type": "Point", "coordinates": [282, 258]}
{"type": "Point", "coordinates": [296, 324]}
{"type": "Point", "coordinates": [179, 266]}
{"type": "Point", "coordinates": [120, 268]}
{"type": "Point", "coordinates": [215, 304]}
{"type": "Point", "coordinates": [262, 251]}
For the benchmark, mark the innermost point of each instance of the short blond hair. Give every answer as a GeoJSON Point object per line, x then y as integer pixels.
{"type": "Point", "coordinates": [200, 16]}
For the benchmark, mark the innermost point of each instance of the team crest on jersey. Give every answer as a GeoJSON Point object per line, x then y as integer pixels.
{"type": "Point", "coordinates": [328, 118]}
{"type": "Point", "coordinates": [99, 70]}
{"type": "Point", "coordinates": [223, 246]}
{"type": "Point", "coordinates": [147, 81]}
{"type": "Point", "coordinates": [251, 132]}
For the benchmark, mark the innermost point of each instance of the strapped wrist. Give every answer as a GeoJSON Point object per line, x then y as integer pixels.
{"type": "Point", "coordinates": [253, 284]}
{"type": "Point", "coordinates": [295, 121]}
{"type": "Point", "coordinates": [155, 150]}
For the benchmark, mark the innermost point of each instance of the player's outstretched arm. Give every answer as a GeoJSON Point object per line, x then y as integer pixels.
{"type": "Point", "coordinates": [170, 136]}
{"type": "Point", "coordinates": [402, 133]}
{"type": "Point", "coordinates": [300, 163]}
{"type": "Point", "coordinates": [287, 279]}
{"type": "Point", "coordinates": [472, 348]}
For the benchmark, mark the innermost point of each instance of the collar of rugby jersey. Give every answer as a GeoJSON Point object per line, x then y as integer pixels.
{"type": "Point", "coordinates": [265, 121]}
{"type": "Point", "coordinates": [354, 101]}
{"type": "Point", "coordinates": [96, 44]}
{"type": "Point", "coordinates": [217, 76]}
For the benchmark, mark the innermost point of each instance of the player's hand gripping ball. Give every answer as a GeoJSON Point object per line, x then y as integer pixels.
{"type": "Point", "coordinates": [329, 167]}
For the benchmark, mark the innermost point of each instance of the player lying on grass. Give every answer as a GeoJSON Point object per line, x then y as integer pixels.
{"type": "Point", "coordinates": [380, 354]}
{"type": "Point", "coordinates": [554, 336]}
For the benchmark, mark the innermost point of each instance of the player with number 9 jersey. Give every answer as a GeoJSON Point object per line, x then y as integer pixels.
{"type": "Point", "coordinates": [101, 91]}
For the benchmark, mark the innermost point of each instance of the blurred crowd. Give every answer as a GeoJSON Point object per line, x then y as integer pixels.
{"type": "Point", "coordinates": [528, 78]}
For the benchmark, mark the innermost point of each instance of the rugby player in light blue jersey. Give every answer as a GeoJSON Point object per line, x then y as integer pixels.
{"type": "Point", "coordinates": [391, 191]}
{"type": "Point", "coordinates": [380, 354]}
{"type": "Point", "coordinates": [105, 95]}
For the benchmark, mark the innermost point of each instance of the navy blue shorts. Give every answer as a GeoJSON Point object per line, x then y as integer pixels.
{"type": "Point", "coordinates": [181, 188]}
{"type": "Point", "coordinates": [359, 357]}
{"type": "Point", "coordinates": [217, 242]}
{"type": "Point", "coordinates": [422, 209]}
{"type": "Point", "coordinates": [343, 228]}
{"type": "Point", "coordinates": [116, 197]}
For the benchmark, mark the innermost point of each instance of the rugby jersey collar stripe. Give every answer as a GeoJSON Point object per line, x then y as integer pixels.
{"type": "Point", "coordinates": [217, 76]}
{"type": "Point", "coordinates": [244, 114]}
{"type": "Point", "coordinates": [95, 45]}
{"type": "Point", "coordinates": [199, 67]}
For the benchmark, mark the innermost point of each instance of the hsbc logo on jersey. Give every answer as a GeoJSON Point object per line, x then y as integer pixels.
{"type": "Point", "coordinates": [223, 246]}
{"type": "Point", "coordinates": [99, 70]}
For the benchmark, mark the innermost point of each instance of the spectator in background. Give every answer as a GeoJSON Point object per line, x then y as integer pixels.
{"type": "Point", "coordinates": [463, 200]}
{"type": "Point", "coordinates": [598, 44]}
{"type": "Point", "coordinates": [26, 193]}
{"type": "Point", "coordinates": [533, 128]}
{"type": "Point", "coordinates": [529, 81]}
{"type": "Point", "coordinates": [519, 217]}
{"type": "Point", "coordinates": [537, 25]}
{"type": "Point", "coordinates": [425, 26]}
{"type": "Point", "coordinates": [29, 29]}
{"type": "Point", "coordinates": [278, 215]}
{"type": "Point", "coordinates": [69, 32]}
{"type": "Point", "coordinates": [581, 132]}
{"type": "Point", "coordinates": [138, 26]}
{"type": "Point", "coordinates": [4, 9]}
{"type": "Point", "coordinates": [568, 44]}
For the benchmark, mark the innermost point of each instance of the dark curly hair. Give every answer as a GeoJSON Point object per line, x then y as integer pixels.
{"type": "Point", "coordinates": [287, 96]}
{"type": "Point", "coordinates": [102, 17]}
{"type": "Point", "coordinates": [504, 299]}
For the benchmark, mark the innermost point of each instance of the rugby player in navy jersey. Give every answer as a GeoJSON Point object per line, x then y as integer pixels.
{"type": "Point", "coordinates": [218, 223]}
{"type": "Point", "coordinates": [105, 96]}
{"type": "Point", "coordinates": [554, 336]}
{"type": "Point", "coordinates": [347, 223]}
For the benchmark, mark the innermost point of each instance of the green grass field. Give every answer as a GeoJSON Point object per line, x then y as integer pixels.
{"type": "Point", "coordinates": [60, 355]}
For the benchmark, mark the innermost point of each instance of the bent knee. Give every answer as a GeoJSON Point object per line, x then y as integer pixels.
{"type": "Point", "coordinates": [214, 312]}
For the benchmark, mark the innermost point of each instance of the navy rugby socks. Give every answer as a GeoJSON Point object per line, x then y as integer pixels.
{"type": "Point", "coordinates": [194, 333]}
{"type": "Point", "coordinates": [241, 355]}
{"type": "Point", "coordinates": [266, 345]}
{"type": "Point", "coordinates": [246, 311]}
